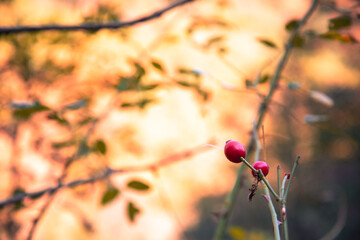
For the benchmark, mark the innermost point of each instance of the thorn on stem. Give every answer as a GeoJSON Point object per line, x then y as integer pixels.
{"type": "Point", "coordinates": [283, 213]}
{"type": "Point", "coordinates": [266, 197]}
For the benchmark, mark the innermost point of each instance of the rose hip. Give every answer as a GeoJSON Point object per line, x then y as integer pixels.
{"type": "Point", "coordinates": [234, 151]}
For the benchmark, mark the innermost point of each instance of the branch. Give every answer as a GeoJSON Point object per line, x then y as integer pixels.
{"type": "Point", "coordinates": [272, 213]}
{"type": "Point", "coordinates": [107, 173]}
{"type": "Point", "coordinates": [40, 215]}
{"type": "Point", "coordinates": [223, 221]}
{"type": "Point", "coordinates": [93, 26]}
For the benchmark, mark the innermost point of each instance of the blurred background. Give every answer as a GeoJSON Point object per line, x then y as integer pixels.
{"type": "Point", "coordinates": [157, 94]}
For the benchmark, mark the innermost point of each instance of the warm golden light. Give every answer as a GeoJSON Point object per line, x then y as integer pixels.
{"type": "Point", "coordinates": [153, 93]}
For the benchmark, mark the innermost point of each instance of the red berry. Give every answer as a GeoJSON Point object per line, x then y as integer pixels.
{"type": "Point", "coordinates": [234, 150]}
{"type": "Point", "coordinates": [261, 165]}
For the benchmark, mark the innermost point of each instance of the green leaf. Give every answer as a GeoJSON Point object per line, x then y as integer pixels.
{"type": "Point", "coordinates": [125, 84]}
{"type": "Point", "coordinates": [36, 196]}
{"type": "Point", "coordinates": [58, 145]}
{"type": "Point", "coordinates": [340, 22]}
{"type": "Point", "coordinates": [138, 185]}
{"type": "Point", "coordinates": [298, 41]}
{"type": "Point", "coordinates": [85, 121]}
{"type": "Point", "coordinates": [56, 117]}
{"type": "Point", "coordinates": [23, 111]}
{"type": "Point", "coordinates": [144, 102]}
{"type": "Point", "coordinates": [184, 83]}
{"type": "Point", "coordinates": [141, 103]}
{"type": "Point", "coordinates": [83, 149]}
{"type": "Point", "coordinates": [249, 83]}
{"type": "Point", "coordinates": [189, 72]}
{"type": "Point", "coordinates": [128, 104]}
{"type": "Point", "coordinates": [18, 191]}
{"type": "Point", "coordinates": [264, 78]}
{"type": "Point", "coordinates": [203, 94]}
{"type": "Point", "coordinates": [18, 205]}
{"type": "Point", "coordinates": [332, 35]}
{"type": "Point", "coordinates": [294, 85]}
{"type": "Point", "coordinates": [310, 33]}
{"type": "Point", "coordinates": [140, 72]}
{"type": "Point", "coordinates": [76, 105]}
{"type": "Point", "coordinates": [148, 87]}
{"type": "Point", "coordinates": [131, 83]}
{"type": "Point", "coordinates": [100, 146]}
{"type": "Point", "coordinates": [157, 65]}
{"type": "Point", "coordinates": [132, 211]}
{"type": "Point", "coordinates": [290, 26]}
{"type": "Point", "coordinates": [267, 43]}
{"type": "Point", "coordinates": [109, 195]}
{"type": "Point", "coordinates": [214, 40]}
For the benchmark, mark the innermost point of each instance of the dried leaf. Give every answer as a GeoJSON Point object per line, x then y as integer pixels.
{"type": "Point", "coordinates": [294, 85]}
{"type": "Point", "coordinates": [332, 35]}
{"type": "Point", "coordinates": [322, 98]}
{"type": "Point", "coordinates": [315, 118]}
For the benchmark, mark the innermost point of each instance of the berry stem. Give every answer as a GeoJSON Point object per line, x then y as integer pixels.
{"type": "Point", "coordinates": [263, 178]}
{"type": "Point", "coordinates": [273, 214]}
{"type": "Point", "coordinates": [248, 164]}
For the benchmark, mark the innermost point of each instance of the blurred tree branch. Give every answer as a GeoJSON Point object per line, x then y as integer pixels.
{"type": "Point", "coordinates": [230, 201]}
{"type": "Point", "coordinates": [105, 174]}
{"type": "Point", "coordinates": [93, 26]}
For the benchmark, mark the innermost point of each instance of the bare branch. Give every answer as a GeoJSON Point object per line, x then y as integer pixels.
{"type": "Point", "coordinates": [93, 26]}
{"type": "Point", "coordinates": [107, 173]}
{"type": "Point", "coordinates": [223, 221]}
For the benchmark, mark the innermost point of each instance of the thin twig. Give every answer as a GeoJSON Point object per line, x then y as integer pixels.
{"type": "Point", "coordinates": [40, 215]}
{"type": "Point", "coordinates": [223, 221]}
{"type": "Point", "coordinates": [93, 26]}
{"type": "Point", "coordinates": [262, 177]}
{"type": "Point", "coordinates": [273, 214]}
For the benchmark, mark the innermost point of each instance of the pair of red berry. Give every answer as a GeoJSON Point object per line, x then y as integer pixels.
{"type": "Point", "coordinates": [235, 150]}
